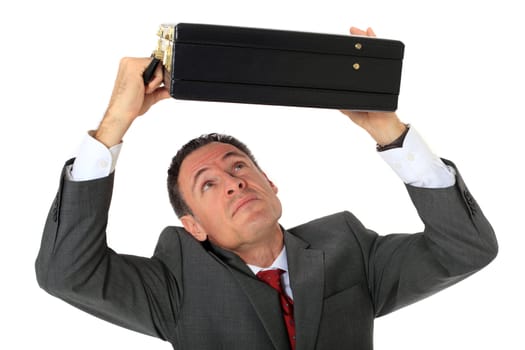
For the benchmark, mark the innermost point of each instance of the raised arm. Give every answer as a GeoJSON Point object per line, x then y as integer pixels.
{"type": "Point", "coordinates": [457, 239]}
{"type": "Point", "coordinates": [74, 262]}
{"type": "Point", "coordinates": [130, 99]}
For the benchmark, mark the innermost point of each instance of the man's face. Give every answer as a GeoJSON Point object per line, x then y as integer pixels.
{"type": "Point", "coordinates": [233, 202]}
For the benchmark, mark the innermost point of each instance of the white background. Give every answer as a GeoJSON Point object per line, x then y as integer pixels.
{"type": "Point", "coordinates": [462, 88]}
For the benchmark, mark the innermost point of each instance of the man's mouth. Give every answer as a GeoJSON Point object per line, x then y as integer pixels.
{"type": "Point", "coordinates": [242, 202]}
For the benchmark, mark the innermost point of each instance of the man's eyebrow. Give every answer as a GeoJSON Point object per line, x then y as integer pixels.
{"type": "Point", "coordinates": [196, 177]}
{"type": "Point", "coordinates": [233, 154]}
{"type": "Point", "coordinates": [227, 155]}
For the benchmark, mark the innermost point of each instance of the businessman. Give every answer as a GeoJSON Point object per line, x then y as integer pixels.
{"type": "Point", "coordinates": [232, 277]}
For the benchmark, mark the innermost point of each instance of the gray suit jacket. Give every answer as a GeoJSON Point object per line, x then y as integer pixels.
{"type": "Point", "coordinates": [198, 296]}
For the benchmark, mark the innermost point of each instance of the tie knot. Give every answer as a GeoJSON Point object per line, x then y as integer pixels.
{"type": "Point", "coordinates": [272, 278]}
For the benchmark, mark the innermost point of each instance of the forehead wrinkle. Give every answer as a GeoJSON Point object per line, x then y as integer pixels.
{"type": "Point", "coordinates": [211, 158]}
{"type": "Point", "coordinates": [231, 154]}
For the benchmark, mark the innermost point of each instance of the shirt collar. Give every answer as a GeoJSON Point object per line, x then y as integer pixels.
{"type": "Point", "coordinates": [281, 262]}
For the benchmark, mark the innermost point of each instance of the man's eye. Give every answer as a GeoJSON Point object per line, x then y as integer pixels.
{"type": "Point", "coordinates": [206, 186]}
{"type": "Point", "coordinates": [238, 166]}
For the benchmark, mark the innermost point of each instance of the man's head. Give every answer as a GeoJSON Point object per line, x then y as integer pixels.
{"type": "Point", "coordinates": [219, 192]}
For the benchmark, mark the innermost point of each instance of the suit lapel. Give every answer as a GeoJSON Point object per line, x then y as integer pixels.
{"type": "Point", "coordinates": [266, 303]}
{"type": "Point", "coordinates": [306, 270]}
{"type": "Point", "coordinates": [264, 299]}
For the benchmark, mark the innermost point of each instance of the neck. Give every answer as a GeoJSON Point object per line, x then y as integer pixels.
{"type": "Point", "coordinates": [264, 253]}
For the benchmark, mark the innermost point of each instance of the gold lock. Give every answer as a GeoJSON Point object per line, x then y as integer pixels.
{"type": "Point", "coordinates": [163, 52]}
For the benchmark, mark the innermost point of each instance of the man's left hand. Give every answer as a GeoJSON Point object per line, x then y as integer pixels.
{"type": "Point", "coordinates": [384, 127]}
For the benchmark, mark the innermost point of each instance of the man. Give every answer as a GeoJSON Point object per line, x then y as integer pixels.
{"type": "Point", "coordinates": [201, 288]}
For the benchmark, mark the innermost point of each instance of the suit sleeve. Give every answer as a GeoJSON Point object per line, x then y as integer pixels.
{"type": "Point", "coordinates": [75, 264]}
{"type": "Point", "coordinates": [456, 242]}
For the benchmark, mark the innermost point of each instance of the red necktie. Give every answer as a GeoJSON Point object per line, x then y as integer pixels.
{"type": "Point", "coordinates": [273, 278]}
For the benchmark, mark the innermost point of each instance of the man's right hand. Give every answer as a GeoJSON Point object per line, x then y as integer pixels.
{"type": "Point", "coordinates": [130, 99]}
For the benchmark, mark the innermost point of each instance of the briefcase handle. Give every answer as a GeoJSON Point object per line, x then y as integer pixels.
{"type": "Point", "coordinates": [150, 70]}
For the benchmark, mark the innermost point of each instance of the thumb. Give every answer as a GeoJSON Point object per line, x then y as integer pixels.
{"type": "Point", "coordinates": [357, 117]}
{"type": "Point", "coordinates": [159, 94]}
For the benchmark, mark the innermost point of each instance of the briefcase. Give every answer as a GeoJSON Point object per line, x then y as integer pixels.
{"type": "Point", "coordinates": [279, 67]}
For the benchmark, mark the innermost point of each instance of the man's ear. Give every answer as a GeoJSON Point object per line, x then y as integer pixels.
{"type": "Point", "coordinates": [272, 185]}
{"type": "Point", "coordinates": [193, 227]}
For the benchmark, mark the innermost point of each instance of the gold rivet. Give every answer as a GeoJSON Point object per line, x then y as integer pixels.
{"type": "Point", "coordinates": [356, 66]}
{"type": "Point", "coordinates": [358, 46]}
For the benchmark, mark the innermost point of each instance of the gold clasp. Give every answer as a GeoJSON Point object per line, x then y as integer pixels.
{"type": "Point", "coordinates": [164, 50]}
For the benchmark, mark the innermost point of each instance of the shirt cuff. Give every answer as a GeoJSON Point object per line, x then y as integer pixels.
{"type": "Point", "coordinates": [94, 160]}
{"type": "Point", "coordinates": [417, 165]}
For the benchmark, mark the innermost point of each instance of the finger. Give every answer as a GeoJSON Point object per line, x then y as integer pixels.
{"type": "Point", "coordinates": [357, 31]}
{"type": "Point", "coordinates": [357, 117]}
{"type": "Point", "coordinates": [158, 94]}
{"type": "Point", "coordinates": [155, 96]}
{"type": "Point", "coordinates": [162, 93]}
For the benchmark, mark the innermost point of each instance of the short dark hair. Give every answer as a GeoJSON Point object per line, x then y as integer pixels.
{"type": "Point", "coordinates": [177, 201]}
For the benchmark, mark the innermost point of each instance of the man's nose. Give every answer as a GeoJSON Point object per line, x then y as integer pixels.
{"type": "Point", "coordinates": [234, 184]}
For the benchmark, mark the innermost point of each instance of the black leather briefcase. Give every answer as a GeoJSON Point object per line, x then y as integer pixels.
{"type": "Point", "coordinates": [276, 67]}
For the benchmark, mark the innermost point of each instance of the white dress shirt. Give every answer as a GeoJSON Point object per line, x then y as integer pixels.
{"type": "Point", "coordinates": [281, 262]}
